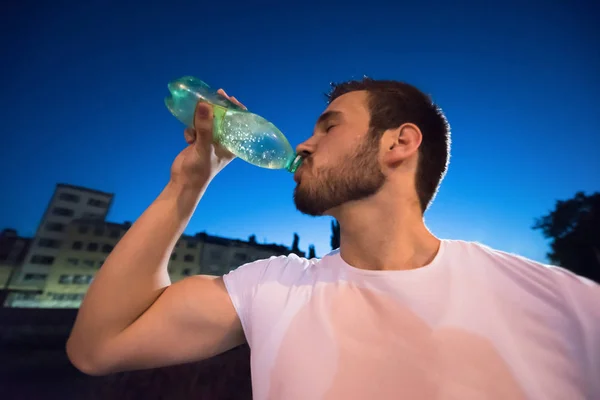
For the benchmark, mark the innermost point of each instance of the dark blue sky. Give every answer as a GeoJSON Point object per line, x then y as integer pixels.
{"type": "Point", "coordinates": [83, 86]}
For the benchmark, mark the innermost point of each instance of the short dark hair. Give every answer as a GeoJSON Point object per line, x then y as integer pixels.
{"type": "Point", "coordinates": [393, 103]}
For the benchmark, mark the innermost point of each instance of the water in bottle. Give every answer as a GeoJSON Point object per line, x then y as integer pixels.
{"type": "Point", "coordinates": [247, 135]}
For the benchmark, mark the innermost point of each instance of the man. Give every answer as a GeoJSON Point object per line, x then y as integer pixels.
{"type": "Point", "coordinates": [396, 313]}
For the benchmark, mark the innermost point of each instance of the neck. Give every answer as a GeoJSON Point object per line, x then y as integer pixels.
{"type": "Point", "coordinates": [380, 237]}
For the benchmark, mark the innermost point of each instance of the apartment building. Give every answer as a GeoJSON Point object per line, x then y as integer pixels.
{"type": "Point", "coordinates": [67, 203]}
{"type": "Point", "coordinates": [85, 245]}
{"type": "Point", "coordinates": [221, 255]}
{"type": "Point", "coordinates": [13, 249]}
{"type": "Point", "coordinates": [88, 242]}
{"type": "Point", "coordinates": [74, 239]}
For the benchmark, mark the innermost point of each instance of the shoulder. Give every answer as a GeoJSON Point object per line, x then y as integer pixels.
{"type": "Point", "coordinates": [506, 260]}
{"type": "Point", "coordinates": [277, 268]}
{"type": "Point", "coordinates": [262, 288]}
{"type": "Point", "coordinates": [579, 294]}
{"type": "Point", "coordinates": [559, 299]}
{"type": "Point", "coordinates": [281, 271]}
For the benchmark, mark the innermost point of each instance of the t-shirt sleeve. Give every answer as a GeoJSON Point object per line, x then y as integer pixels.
{"type": "Point", "coordinates": [241, 284]}
{"type": "Point", "coordinates": [583, 298]}
{"type": "Point", "coordinates": [246, 283]}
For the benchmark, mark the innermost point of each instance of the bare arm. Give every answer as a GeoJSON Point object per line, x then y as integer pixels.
{"type": "Point", "coordinates": [133, 318]}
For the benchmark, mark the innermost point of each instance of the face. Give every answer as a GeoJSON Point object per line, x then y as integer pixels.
{"type": "Point", "coordinates": [342, 162]}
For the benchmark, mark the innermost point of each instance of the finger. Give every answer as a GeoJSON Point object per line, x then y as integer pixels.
{"type": "Point", "coordinates": [222, 152]}
{"type": "Point", "coordinates": [222, 93]}
{"type": "Point", "coordinates": [190, 135]}
{"type": "Point", "coordinates": [203, 121]}
{"type": "Point", "coordinates": [236, 101]}
{"type": "Point", "coordinates": [231, 98]}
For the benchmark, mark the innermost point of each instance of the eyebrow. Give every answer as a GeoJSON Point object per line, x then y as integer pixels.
{"type": "Point", "coordinates": [326, 116]}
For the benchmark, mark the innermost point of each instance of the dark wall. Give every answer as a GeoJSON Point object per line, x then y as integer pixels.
{"type": "Point", "coordinates": [34, 365]}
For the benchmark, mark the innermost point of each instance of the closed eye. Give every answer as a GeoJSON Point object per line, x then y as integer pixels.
{"type": "Point", "coordinates": [330, 127]}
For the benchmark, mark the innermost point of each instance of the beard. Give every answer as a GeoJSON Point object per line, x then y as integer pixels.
{"type": "Point", "coordinates": [358, 177]}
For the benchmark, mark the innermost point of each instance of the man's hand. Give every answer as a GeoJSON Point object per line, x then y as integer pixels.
{"type": "Point", "coordinates": [202, 159]}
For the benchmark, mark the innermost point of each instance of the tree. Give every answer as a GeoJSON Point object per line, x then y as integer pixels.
{"type": "Point", "coordinates": [574, 230]}
{"type": "Point", "coordinates": [311, 252]}
{"type": "Point", "coordinates": [252, 239]}
{"type": "Point", "coordinates": [335, 235]}
{"type": "Point", "coordinates": [295, 247]}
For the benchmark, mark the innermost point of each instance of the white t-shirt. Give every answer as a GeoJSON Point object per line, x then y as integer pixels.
{"type": "Point", "coordinates": [476, 323]}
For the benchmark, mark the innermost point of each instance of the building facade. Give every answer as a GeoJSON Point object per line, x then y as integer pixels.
{"type": "Point", "coordinates": [87, 243]}
{"type": "Point", "coordinates": [74, 239]}
{"type": "Point", "coordinates": [85, 246]}
{"type": "Point", "coordinates": [67, 204]}
{"type": "Point", "coordinates": [13, 249]}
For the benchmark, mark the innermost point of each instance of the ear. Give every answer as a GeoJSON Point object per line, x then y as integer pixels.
{"type": "Point", "coordinates": [401, 143]}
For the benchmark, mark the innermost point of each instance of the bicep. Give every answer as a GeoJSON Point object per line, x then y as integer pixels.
{"type": "Point", "coordinates": [193, 319]}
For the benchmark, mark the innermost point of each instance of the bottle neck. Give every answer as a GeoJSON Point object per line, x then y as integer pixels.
{"type": "Point", "coordinates": [294, 163]}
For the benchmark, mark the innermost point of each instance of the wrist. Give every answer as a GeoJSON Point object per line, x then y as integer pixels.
{"type": "Point", "coordinates": [185, 195]}
{"type": "Point", "coordinates": [186, 188]}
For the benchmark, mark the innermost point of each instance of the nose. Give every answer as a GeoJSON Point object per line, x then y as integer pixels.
{"type": "Point", "coordinates": [306, 148]}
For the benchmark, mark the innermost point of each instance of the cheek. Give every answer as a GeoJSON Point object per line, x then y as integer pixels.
{"type": "Point", "coordinates": [325, 162]}
{"type": "Point", "coordinates": [332, 152]}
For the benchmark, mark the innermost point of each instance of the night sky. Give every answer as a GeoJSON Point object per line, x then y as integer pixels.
{"type": "Point", "coordinates": [83, 84]}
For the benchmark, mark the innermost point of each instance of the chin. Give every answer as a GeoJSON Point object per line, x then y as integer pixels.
{"type": "Point", "coordinates": [311, 206]}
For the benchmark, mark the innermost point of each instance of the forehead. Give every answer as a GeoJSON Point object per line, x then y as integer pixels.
{"type": "Point", "coordinates": [351, 105]}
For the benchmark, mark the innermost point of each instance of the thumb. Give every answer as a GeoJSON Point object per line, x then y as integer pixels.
{"type": "Point", "coordinates": [203, 122]}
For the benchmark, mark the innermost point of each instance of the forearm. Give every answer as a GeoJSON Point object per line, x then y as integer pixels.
{"type": "Point", "coordinates": [135, 274]}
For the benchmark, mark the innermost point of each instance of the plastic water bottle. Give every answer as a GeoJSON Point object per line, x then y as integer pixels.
{"type": "Point", "coordinates": [247, 135]}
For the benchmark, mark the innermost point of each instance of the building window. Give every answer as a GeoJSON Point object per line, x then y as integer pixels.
{"type": "Point", "coordinates": [72, 198]}
{"type": "Point", "coordinates": [72, 261]}
{"type": "Point", "coordinates": [93, 216]}
{"type": "Point", "coordinates": [83, 229]}
{"type": "Point", "coordinates": [43, 260]}
{"type": "Point", "coordinates": [107, 248]}
{"type": "Point", "coordinates": [55, 227]}
{"type": "Point", "coordinates": [50, 243]}
{"type": "Point", "coordinates": [72, 296]}
{"type": "Point", "coordinates": [114, 233]}
{"type": "Point", "coordinates": [34, 277]}
{"type": "Point", "coordinates": [65, 279]}
{"type": "Point", "coordinates": [97, 203]}
{"type": "Point", "coordinates": [99, 231]}
{"type": "Point", "coordinates": [188, 257]}
{"type": "Point", "coordinates": [186, 272]}
{"type": "Point", "coordinates": [100, 263]}
{"type": "Point", "coordinates": [63, 212]}
{"type": "Point", "coordinates": [77, 245]}
{"type": "Point", "coordinates": [173, 257]}
{"type": "Point", "coordinates": [58, 296]}
{"type": "Point", "coordinates": [89, 263]}
{"type": "Point", "coordinates": [92, 247]}
{"type": "Point", "coordinates": [191, 245]}
{"type": "Point", "coordinates": [26, 296]}
{"type": "Point", "coordinates": [82, 279]}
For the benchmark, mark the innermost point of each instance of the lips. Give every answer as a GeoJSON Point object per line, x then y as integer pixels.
{"type": "Point", "coordinates": [306, 163]}
{"type": "Point", "coordinates": [297, 174]}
